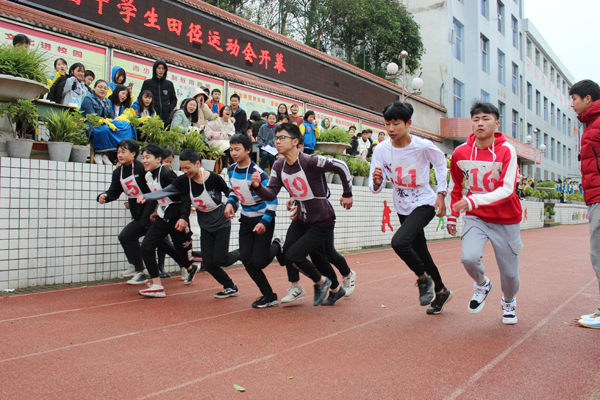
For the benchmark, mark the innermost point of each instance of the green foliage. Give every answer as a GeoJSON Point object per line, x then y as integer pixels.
{"type": "Point", "coordinates": [575, 197]}
{"type": "Point", "coordinates": [66, 126]}
{"type": "Point", "coordinates": [94, 119]}
{"type": "Point", "coordinates": [549, 208]}
{"type": "Point", "coordinates": [356, 166]}
{"type": "Point", "coordinates": [337, 135]}
{"type": "Point", "coordinates": [23, 62]}
{"type": "Point", "coordinates": [212, 153]}
{"type": "Point", "coordinates": [539, 194]}
{"type": "Point", "coordinates": [528, 191]}
{"type": "Point", "coordinates": [555, 194]}
{"type": "Point", "coordinates": [151, 131]}
{"type": "Point", "coordinates": [23, 111]}
{"type": "Point", "coordinates": [546, 184]}
{"type": "Point", "coordinates": [193, 140]}
{"type": "Point", "coordinates": [432, 178]}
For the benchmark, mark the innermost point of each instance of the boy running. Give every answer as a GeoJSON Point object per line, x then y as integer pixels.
{"type": "Point", "coordinates": [487, 164]}
{"type": "Point", "coordinates": [405, 160]}
{"type": "Point", "coordinates": [302, 175]}
{"type": "Point", "coordinates": [257, 222]}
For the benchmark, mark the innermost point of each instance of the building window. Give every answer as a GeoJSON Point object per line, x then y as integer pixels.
{"type": "Point", "coordinates": [546, 109]}
{"type": "Point", "coordinates": [538, 58]}
{"type": "Point", "coordinates": [568, 132]}
{"type": "Point", "coordinates": [521, 129]}
{"type": "Point", "coordinates": [552, 75]}
{"type": "Point", "coordinates": [558, 119]}
{"type": "Point", "coordinates": [515, 118]}
{"type": "Point", "coordinates": [569, 157]}
{"type": "Point", "coordinates": [552, 144]}
{"type": "Point", "coordinates": [515, 74]}
{"type": "Point", "coordinates": [515, 31]}
{"type": "Point", "coordinates": [546, 143]}
{"type": "Point", "coordinates": [458, 42]}
{"type": "Point", "coordinates": [485, 96]}
{"type": "Point", "coordinates": [501, 108]}
{"type": "Point", "coordinates": [564, 124]}
{"type": "Point", "coordinates": [529, 96]}
{"type": "Point", "coordinates": [458, 98]}
{"type": "Point", "coordinates": [485, 54]}
{"type": "Point", "coordinates": [537, 103]}
{"type": "Point", "coordinates": [500, 67]}
{"type": "Point", "coordinates": [485, 8]}
{"type": "Point", "coordinates": [537, 138]}
{"type": "Point", "coordinates": [564, 155]}
{"type": "Point", "coordinates": [521, 46]}
{"type": "Point", "coordinates": [530, 132]}
{"type": "Point", "coordinates": [500, 17]}
{"type": "Point", "coordinates": [545, 67]}
{"type": "Point", "coordinates": [558, 149]}
{"type": "Point", "coordinates": [529, 49]}
{"type": "Point", "coordinates": [552, 114]}
{"type": "Point", "coordinates": [521, 88]}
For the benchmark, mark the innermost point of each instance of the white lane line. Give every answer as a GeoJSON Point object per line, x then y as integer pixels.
{"type": "Point", "coordinates": [473, 379]}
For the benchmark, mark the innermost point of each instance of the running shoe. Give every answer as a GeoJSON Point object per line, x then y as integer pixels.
{"type": "Point", "coordinates": [426, 292]}
{"type": "Point", "coordinates": [478, 299]}
{"type": "Point", "coordinates": [279, 255]}
{"type": "Point", "coordinates": [440, 301]}
{"type": "Point", "coordinates": [191, 275]}
{"type": "Point", "coordinates": [162, 274]}
{"type": "Point", "coordinates": [321, 290]}
{"type": "Point", "coordinates": [153, 290]}
{"type": "Point", "coordinates": [348, 283]}
{"type": "Point", "coordinates": [593, 323]}
{"type": "Point", "coordinates": [589, 316]}
{"type": "Point", "coordinates": [293, 294]}
{"type": "Point", "coordinates": [227, 292]}
{"type": "Point", "coordinates": [129, 272]}
{"type": "Point", "coordinates": [333, 297]}
{"type": "Point", "coordinates": [184, 274]}
{"type": "Point", "coordinates": [509, 312]}
{"type": "Point", "coordinates": [266, 301]}
{"type": "Point", "coordinates": [138, 279]}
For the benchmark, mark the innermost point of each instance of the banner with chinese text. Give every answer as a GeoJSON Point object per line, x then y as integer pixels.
{"type": "Point", "coordinates": [255, 100]}
{"type": "Point", "coordinates": [336, 119]}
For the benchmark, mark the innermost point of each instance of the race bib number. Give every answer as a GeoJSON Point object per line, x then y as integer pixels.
{"type": "Point", "coordinates": [298, 188]}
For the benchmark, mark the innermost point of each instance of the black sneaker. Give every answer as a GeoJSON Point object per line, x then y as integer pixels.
{"type": "Point", "coordinates": [426, 292]}
{"type": "Point", "coordinates": [480, 293]}
{"type": "Point", "coordinates": [227, 292]}
{"type": "Point", "coordinates": [138, 279]}
{"type": "Point", "coordinates": [333, 297]}
{"type": "Point", "coordinates": [266, 301]}
{"type": "Point", "coordinates": [279, 255]}
{"type": "Point", "coordinates": [321, 290]}
{"type": "Point", "coordinates": [236, 255]}
{"type": "Point", "coordinates": [441, 299]}
{"type": "Point", "coordinates": [191, 275]}
{"type": "Point", "coordinates": [162, 274]}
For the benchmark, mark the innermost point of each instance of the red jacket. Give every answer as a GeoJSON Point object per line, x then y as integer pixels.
{"type": "Point", "coordinates": [490, 175]}
{"type": "Point", "coordinates": [590, 153]}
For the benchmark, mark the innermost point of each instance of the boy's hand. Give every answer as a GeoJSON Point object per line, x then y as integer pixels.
{"type": "Point", "coordinates": [451, 229]}
{"type": "Point", "coordinates": [378, 176]}
{"type": "Point", "coordinates": [259, 228]}
{"type": "Point", "coordinates": [293, 213]}
{"type": "Point", "coordinates": [229, 211]}
{"type": "Point", "coordinates": [440, 206]}
{"type": "Point", "coordinates": [256, 179]}
{"type": "Point", "coordinates": [153, 216]}
{"type": "Point", "coordinates": [127, 205]}
{"type": "Point", "coordinates": [141, 200]}
{"type": "Point", "coordinates": [290, 204]}
{"type": "Point", "coordinates": [102, 198]}
{"type": "Point", "coordinates": [346, 202]}
{"type": "Point", "coordinates": [461, 205]}
{"type": "Point", "coordinates": [181, 225]}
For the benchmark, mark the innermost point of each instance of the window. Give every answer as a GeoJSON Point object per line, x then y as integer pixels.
{"type": "Point", "coordinates": [515, 118]}
{"type": "Point", "coordinates": [457, 47]}
{"type": "Point", "coordinates": [565, 87]}
{"type": "Point", "coordinates": [546, 109]}
{"type": "Point", "coordinates": [537, 138]}
{"type": "Point", "coordinates": [521, 130]}
{"type": "Point", "coordinates": [538, 58]}
{"type": "Point", "coordinates": [458, 98]}
{"type": "Point", "coordinates": [515, 74]}
{"type": "Point", "coordinates": [558, 150]}
{"type": "Point", "coordinates": [568, 132]}
{"type": "Point", "coordinates": [530, 132]}
{"type": "Point", "coordinates": [558, 119]}
{"type": "Point", "coordinates": [515, 31]}
{"type": "Point", "coordinates": [546, 143]}
{"type": "Point", "coordinates": [552, 149]}
{"type": "Point", "coordinates": [564, 124]}
{"type": "Point", "coordinates": [552, 114]}
{"type": "Point", "coordinates": [485, 8]}
{"type": "Point", "coordinates": [569, 157]}
{"type": "Point", "coordinates": [500, 67]}
{"type": "Point", "coordinates": [501, 17]}
{"type": "Point", "coordinates": [521, 88]}
{"type": "Point", "coordinates": [552, 75]}
{"type": "Point", "coordinates": [485, 54]}
{"type": "Point", "coordinates": [545, 67]}
{"type": "Point", "coordinates": [564, 155]}
{"type": "Point", "coordinates": [529, 96]}
{"type": "Point", "coordinates": [521, 46]}
{"type": "Point", "coordinates": [485, 96]}
{"type": "Point", "coordinates": [529, 49]}
{"type": "Point", "coordinates": [501, 108]}
{"type": "Point", "coordinates": [537, 103]}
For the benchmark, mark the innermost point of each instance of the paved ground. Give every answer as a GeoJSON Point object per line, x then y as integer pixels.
{"type": "Point", "coordinates": [105, 341]}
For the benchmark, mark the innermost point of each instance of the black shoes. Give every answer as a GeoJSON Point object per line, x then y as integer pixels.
{"type": "Point", "coordinates": [440, 301]}
{"type": "Point", "coordinates": [333, 297]}
{"type": "Point", "coordinates": [426, 292]}
{"type": "Point", "coordinates": [266, 301]}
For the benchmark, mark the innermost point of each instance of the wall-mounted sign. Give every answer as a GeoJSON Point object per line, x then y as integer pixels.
{"type": "Point", "coordinates": [376, 128]}
{"type": "Point", "coordinates": [336, 119]}
{"type": "Point", "coordinates": [179, 26]}
{"type": "Point", "coordinates": [255, 100]}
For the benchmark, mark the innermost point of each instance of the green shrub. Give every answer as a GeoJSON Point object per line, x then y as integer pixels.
{"type": "Point", "coordinates": [546, 184]}
{"type": "Point", "coordinates": [23, 62]}
{"type": "Point", "coordinates": [337, 135]}
{"type": "Point", "coordinates": [575, 197]}
{"type": "Point", "coordinates": [555, 194]}
{"type": "Point", "coordinates": [528, 191]}
{"type": "Point", "coordinates": [23, 111]}
{"type": "Point", "coordinates": [66, 126]}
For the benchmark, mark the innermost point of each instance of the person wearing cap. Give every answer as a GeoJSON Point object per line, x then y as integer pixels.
{"type": "Point", "coordinates": [204, 113]}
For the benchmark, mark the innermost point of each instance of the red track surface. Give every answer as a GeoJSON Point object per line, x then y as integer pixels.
{"type": "Point", "coordinates": [107, 342]}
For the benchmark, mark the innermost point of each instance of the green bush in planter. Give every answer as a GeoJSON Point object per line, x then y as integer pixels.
{"type": "Point", "coordinates": [555, 194]}
{"type": "Point", "coordinates": [528, 191]}
{"type": "Point", "coordinates": [66, 126]}
{"type": "Point", "coordinates": [337, 135]}
{"type": "Point", "coordinates": [575, 197]}
{"type": "Point", "coordinates": [364, 168]}
{"type": "Point", "coordinates": [539, 194]}
{"type": "Point", "coordinates": [23, 62]}
{"type": "Point", "coordinates": [194, 141]}
{"type": "Point", "coordinates": [546, 184]}
{"type": "Point", "coordinates": [23, 111]}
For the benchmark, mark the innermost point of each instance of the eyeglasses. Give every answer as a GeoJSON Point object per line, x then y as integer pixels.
{"type": "Point", "coordinates": [281, 137]}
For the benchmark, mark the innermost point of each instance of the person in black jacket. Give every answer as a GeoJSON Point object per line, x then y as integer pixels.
{"type": "Point", "coordinates": [165, 97]}
{"type": "Point", "coordinates": [241, 119]}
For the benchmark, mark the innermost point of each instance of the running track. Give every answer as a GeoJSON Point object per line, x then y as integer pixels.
{"type": "Point", "coordinates": [106, 341]}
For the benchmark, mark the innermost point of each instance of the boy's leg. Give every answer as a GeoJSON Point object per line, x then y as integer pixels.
{"type": "Point", "coordinates": [338, 261]}
{"type": "Point", "coordinates": [254, 251]}
{"type": "Point", "coordinates": [594, 217]}
{"type": "Point", "coordinates": [474, 239]}
{"type": "Point", "coordinates": [154, 237]}
{"type": "Point", "coordinates": [130, 241]}
{"type": "Point", "coordinates": [221, 255]}
{"type": "Point", "coordinates": [294, 232]}
{"type": "Point", "coordinates": [506, 240]}
{"type": "Point", "coordinates": [183, 244]}
{"type": "Point", "coordinates": [209, 243]}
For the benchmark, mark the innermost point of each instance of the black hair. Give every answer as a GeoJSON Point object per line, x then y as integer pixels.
{"type": "Point", "coordinates": [398, 110]}
{"type": "Point", "coordinates": [286, 109]}
{"type": "Point", "coordinates": [281, 117]}
{"type": "Point", "coordinates": [140, 101]}
{"type": "Point", "coordinates": [364, 131]}
{"type": "Point", "coordinates": [237, 96]}
{"type": "Point", "coordinates": [100, 81]}
{"type": "Point", "coordinates": [155, 150]}
{"type": "Point", "coordinates": [89, 73]}
{"type": "Point", "coordinates": [308, 114]}
{"type": "Point", "coordinates": [189, 155]}
{"type": "Point", "coordinates": [255, 116]}
{"type": "Point", "coordinates": [114, 97]}
{"type": "Point", "coordinates": [271, 113]}
{"type": "Point", "coordinates": [21, 39]}
{"type": "Point", "coordinates": [243, 139]}
{"type": "Point", "coordinates": [294, 105]}
{"type": "Point", "coordinates": [293, 130]}
{"type": "Point", "coordinates": [215, 90]}
{"type": "Point", "coordinates": [264, 114]}
{"type": "Point", "coordinates": [223, 109]}
{"type": "Point", "coordinates": [369, 131]}
{"type": "Point", "coordinates": [75, 67]}
{"type": "Point", "coordinates": [486, 108]}
{"type": "Point", "coordinates": [119, 72]}
{"type": "Point", "coordinates": [584, 88]}
{"type": "Point", "coordinates": [129, 144]}
{"type": "Point", "coordinates": [207, 91]}
{"type": "Point", "coordinates": [60, 59]}
{"type": "Point", "coordinates": [167, 153]}
{"type": "Point", "coordinates": [352, 127]}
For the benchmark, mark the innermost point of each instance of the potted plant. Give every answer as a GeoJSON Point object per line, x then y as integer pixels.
{"type": "Point", "coordinates": [194, 140]}
{"type": "Point", "coordinates": [210, 157]}
{"type": "Point", "coordinates": [22, 73]}
{"type": "Point", "coordinates": [364, 169]}
{"type": "Point", "coordinates": [333, 141]}
{"type": "Point", "coordinates": [24, 113]}
{"type": "Point", "coordinates": [64, 128]}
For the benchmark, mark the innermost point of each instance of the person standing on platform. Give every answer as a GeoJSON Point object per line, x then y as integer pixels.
{"type": "Point", "coordinates": [241, 119]}
{"type": "Point", "coordinates": [165, 97]}
{"type": "Point", "coordinates": [265, 143]}
{"type": "Point", "coordinates": [294, 117]}
{"type": "Point", "coordinates": [310, 132]}
{"type": "Point", "coordinates": [487, 164]}
{"type": "Point", "coordinates": [214, 103]}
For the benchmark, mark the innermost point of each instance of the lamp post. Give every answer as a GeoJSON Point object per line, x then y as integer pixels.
{"type": "Point", "coordinates": [541, 150]}
{"type": "Point", "coordinates": [392, 69]}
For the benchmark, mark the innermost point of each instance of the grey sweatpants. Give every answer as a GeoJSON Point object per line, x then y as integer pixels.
{"type": "Point", "coordinates": [506, 240]}
{"type": "Point", "coordinates": [594, 217]}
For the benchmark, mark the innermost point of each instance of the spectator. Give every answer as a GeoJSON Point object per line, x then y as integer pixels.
{"type": "Point", "coordinates": [214, 103]}
{"type": "Point", "coordinates": [144, 106]}
{"type": "Point", "coordinates": [219, 131]}
{"type": "Point", "coordinates": [74, 88]}
{"type": "Point", "coordinates": [21, 40]}
{"type": "Point", "coordinates": [118, 76]}
{"type": "Point", "coordinates": [364, 144]}
{"type": "Point", "coordinates": [89, 78]}
{"type": "Point", "coordinates": [282, 119]}
{"type": "Point", "coordinates": [207, 91]}
{"type": "Point", "coordinates": [186, 116]}
{"type": "Point", "coordinates": [265, 138]}
{"type": "Point", "coordinates": [241, 119]}
{"type": "Point", "coordinates": [258, 122]}
{"type": "Point", "coordinates": [282, 109]}
{"type": "Point", "coordinates": [203, 111]}
{"type": "Point", "coordinates": [294, 117]}
{"type": "Point", "coordinates": [60, 66]}
{"type": "Point", "coordinates": [325, 124]}
{"type": "Point", "coordinates": [310, 132]}
{"type": "Point", "coordinates": [163, 91]}
{"type": "Point", "coordinates": [380, 137]}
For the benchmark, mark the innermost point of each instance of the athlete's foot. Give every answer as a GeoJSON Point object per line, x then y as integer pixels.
{"type": "Point", "coordinates": [129, 272]}
{"type": "Point", "coordinates": [440, 301]}
{"type": "Point", "coordinates": [191, 274]}
{"type": "Point", "coordinates": [153, 290]}
{"type": "Point", "coordinates": [509, 311]}
{"type": "Point", "coordinates": [266, 301]}
{"type": "Point", "coordinates": [348, 283]}
{"type": "Point", "coordinates": [293, 294]}
{"type": "Point", "coordinates": [138, 279]}
{"type": "Point", "coordinates": [479, 296]}
{"type": "Point", "coordinates": [279, 255]}
{"type": "Point", "coordinates": [321, 290]}
{"type": "Point", "coordinates": [184, 274]}
{"type": "Point", "coordinates": [426, 291]}
{"type": "Point", "coordinates": [161, 272]}
{"type": "Point", "coordinates": [227, 292]}
{"type": "Point", "coordinates": [333, 297]}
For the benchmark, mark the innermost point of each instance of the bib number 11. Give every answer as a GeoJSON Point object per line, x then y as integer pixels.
{"type": "Point", "coordinates": [413, 178]}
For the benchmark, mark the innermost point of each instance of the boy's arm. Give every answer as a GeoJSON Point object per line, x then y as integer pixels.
{"type": "Point", "coordinates": [170, 190]}
{"type": "Point", "coordinates": [328, 164]}
{"type": "Point", "coordinates": [376, 161]}
{"type": "Point", "coordinates": [269, 192]}
{"type": "Point", "coordinates": [456, 188]}
{"type": "Point", "coordinates": [269, 215]}
{"type": "Point", "coordinates": [115, 189]}
{"type": "Point", "coordinates": [233, 198]}
{"type": "Point", "coordinates": [438, 159]}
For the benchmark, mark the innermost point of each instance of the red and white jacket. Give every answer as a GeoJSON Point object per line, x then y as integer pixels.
{"type": "Point", "coordinates": [490, 176]}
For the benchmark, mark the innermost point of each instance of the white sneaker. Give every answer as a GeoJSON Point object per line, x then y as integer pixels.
{"type": "Point", "coordinates": [591, 316]}
{"type": "Point", "coordinates": [129, 272]}
{"type": "Point", "coordinates": [98, 159]}
{"type": "Point", "coordinates": [106, 160]}
{"type": "Point", "coordinates": [348, 283]}
{"type": "Point", "coordinates": [138, 279]}
{"type": "Point", "coordinates": [153, 290]}
{"type": "Point", "coordinates": [184, 274]}
{"type": "Point", "coordinates": [509, 312]}
{"type": "Point", "coordinates": [293, 294]}
{"type": "Point", "coordinates": [478, 300]}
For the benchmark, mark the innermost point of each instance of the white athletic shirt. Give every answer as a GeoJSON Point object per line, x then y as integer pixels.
{"type": "Point", "coordinates": [408, 162]}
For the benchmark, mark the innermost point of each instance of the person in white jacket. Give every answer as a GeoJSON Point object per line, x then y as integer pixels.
{"type": "Point", "coordinates": [203, 111]}
{"type": "Point", "coordinates": [219, 131]}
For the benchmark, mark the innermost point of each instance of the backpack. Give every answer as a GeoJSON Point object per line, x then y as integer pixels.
{"type": "Point", "coordinates": [56, 91]}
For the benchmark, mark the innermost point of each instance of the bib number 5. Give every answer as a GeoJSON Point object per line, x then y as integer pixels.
{"type": "Point", "coordinates": [132, 190]}
{"type": "Point", "coordinates": [238, 192]}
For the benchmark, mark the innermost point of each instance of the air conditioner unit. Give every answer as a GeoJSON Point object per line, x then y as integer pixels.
{"type": "Point", "coordinates": [452, 36]}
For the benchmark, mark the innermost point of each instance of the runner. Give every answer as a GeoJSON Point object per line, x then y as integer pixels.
{"type": "Point", "coordinates": [257, 221]}
{"type": "Point", "coordinates": [487, 164]}
{"type": "Point", "coordinates": [205, 190]}
{"type": "Point", "coordinates": [172, 219]}
{"type": "Point", "coordinates": [303, 177]}
{"type": "Point", "coordinates": [405, 160]}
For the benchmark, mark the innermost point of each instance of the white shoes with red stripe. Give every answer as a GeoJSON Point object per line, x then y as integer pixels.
{"type": "Point", "coordinates": [153, 290]}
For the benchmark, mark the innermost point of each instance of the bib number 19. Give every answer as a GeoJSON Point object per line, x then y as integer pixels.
{"type": "Point", "coordinates": [299, 185]}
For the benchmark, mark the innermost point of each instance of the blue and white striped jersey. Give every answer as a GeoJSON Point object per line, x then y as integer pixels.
{"type": "Point", "coordinates": [254, 209]}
